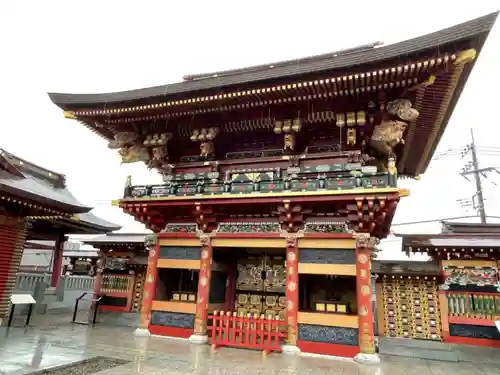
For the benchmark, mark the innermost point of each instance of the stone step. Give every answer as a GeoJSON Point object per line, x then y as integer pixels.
{"type": "Point", "coordinates": [413, 343]}
{"type": "Point", "coordinates": [432, 350]}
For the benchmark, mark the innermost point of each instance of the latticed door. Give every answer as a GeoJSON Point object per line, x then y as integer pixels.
{"type": "Point", "coordinates": [411, 309]}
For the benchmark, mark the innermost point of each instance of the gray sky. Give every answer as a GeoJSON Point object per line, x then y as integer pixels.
{"type": "Point", "coordinates": [102, 46]}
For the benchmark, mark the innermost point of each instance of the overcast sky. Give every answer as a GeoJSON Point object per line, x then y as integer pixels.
{"type": "Point", "coordinates": [102, 46]}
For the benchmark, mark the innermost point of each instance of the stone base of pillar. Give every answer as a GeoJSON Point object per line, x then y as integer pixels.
{"type": "Point", "coordinates": [197, 338]}
{"type": "Point", "coordinates": [142, 332]}
{"type": "Point", "coordinates": [367, 359]}
{"type": "Point", "coordinates": [290, 349]}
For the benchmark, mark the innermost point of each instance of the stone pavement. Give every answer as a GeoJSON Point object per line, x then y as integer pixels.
{"type": "Point", "coordinates": [56, 342]}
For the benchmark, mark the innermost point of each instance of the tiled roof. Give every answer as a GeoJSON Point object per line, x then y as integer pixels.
{"type": "Point", "coordinates": [91, 220]}
{"type": "Point", "coordinates": [27, 180]}
{"type": "Point", "coordinates": [333, 61]}
{"type": "Point", "coordinates": [117, 238]}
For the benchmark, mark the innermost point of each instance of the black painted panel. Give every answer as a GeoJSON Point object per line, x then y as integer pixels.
{"type": "Point", "coordinates": [180, 252]}
{"type": "Point", "coordinates": [328, 335]}
{"type": "Point", "coordinates": [113, 301]}
{"type": "Point", "coordinates": [171, 319]}
{"type": "Point", "coordinates": [474, 332]}
{"type": "Point", "coordinates": [327, 256]}
{"type": "Point", "coordinates": [217, 287]}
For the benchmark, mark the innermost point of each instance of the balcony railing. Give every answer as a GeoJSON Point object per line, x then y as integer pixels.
{"type": "Point", "coordinates": [331, 177]}
{"type": "Point", "coordinates": [474, 305]}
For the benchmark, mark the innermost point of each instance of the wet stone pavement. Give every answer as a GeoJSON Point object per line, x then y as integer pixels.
{"type": "Point", "coordinates": [55, 344]}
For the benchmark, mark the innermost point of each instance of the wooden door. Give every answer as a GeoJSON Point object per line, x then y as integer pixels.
{"type": "Point", "coordinates": [411, 308]}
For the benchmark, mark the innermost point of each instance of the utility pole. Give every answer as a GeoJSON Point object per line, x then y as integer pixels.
{"type": "Point", "coordinates": [473, 168]}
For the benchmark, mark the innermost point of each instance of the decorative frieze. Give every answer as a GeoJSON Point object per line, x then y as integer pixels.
{"type": "Point", "coordinates": [171, 319]}
{"type": "Point", "coordinates": [250, 227]}
{"type": "Point", "coordinates": [328, 334]}
{"type": "Point", "coordinates": [180, 228]}
{"type": "Point", "coordinates": [471, 279]}
{"type": "Point", "coordinates": [325, 227]}
{"type": "Point", "coordinates": [327, 256]}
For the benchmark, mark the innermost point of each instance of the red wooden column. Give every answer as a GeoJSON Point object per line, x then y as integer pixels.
{"type": "Point", "coordinates": [57, 260]}
{"type": "Point", "coordinates": [149, 285]}
{"type": "Point", "coordinates": [292, 293]}
{"type": "Point", "coordinates": [364, 247]}
{"type": "Point", "coordinates": [200, 335]}
{"type": "Point", "coordinates": [12, 238]}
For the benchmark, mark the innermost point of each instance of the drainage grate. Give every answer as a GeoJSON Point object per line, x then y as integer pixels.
{"type": "Point", "coordinates": [85, 367]}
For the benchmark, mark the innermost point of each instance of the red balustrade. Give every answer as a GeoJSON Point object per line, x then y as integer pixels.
{"type": "Point", "coordinates": [250, 332]}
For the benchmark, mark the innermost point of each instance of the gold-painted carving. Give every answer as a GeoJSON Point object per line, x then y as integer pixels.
{"type": "Point", "coordinates": [428, 82]}
{"type": "Point", "coordinates": [365, 290]}
{"type": "Point", "coordinates": [292, 286]}
{"type": "Point", "coordinates": [133, 154]}
{"type": "Point", "coordinates": [465, 57]}
{"type": "Point", "coordinates": [289, 143]}
{"type": "Point", "coordinates": [70, 115]}
{"type": "Point", "coordinates": [351, 137]}
{"type": "Point", "coordinates": [364, 240]}
{"type": "Point", "coordinates": [363, 258]}
{"type": "Point", "coordinates": [363, 311]}
{"type": "Point", "coordinates": [206, 137]}
{"type": "Point", "coordinates": [360, 118]}
{"type": "Point", "coordinates": [391, 130]}
{"type": "Point", "coordinates": [351, 118]}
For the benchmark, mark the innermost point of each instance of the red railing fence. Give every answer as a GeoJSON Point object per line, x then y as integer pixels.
{"type": "Point", "coordinates": [251, 331]}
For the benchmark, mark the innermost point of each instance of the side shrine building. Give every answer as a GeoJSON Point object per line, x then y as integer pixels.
{"type": "Point", "coordinates": [468, 260]}
{"type": "Point", "coordinates": [35, 204]}
{"type": "Point", "coordinates": [279, 180]}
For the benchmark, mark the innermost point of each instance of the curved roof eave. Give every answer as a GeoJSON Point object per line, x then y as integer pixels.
{"type": "Point", "coordinates": [325, 62]}
{"type": "Point", "coordinates": [90, 220]}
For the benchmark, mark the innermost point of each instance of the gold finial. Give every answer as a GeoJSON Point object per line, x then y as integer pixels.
{"type": "Point", "coordinates": [417, 177]}
{"type": "Point", "coordinates": [464, 57]}
{"type": "Point", "coordinates": [69, 114]}
{"type": "Point", "coordinates": [391, 166]}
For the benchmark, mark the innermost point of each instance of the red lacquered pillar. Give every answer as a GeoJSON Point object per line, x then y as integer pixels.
{"type": "Point", "coordinates": [57, 260]}
{"type": "Point", "coordinates": [12, 238]}
{"type": "Point", "coordinates": [364, 247]}
{"type": "Point", "coordinates": [149, 285]}
{"type": "Point", "coordinates": [200, 335]}
{"type": "Point", "coordinates": [292, 293]}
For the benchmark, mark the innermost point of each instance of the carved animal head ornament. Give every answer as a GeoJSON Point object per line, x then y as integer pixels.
{"type": "Point", "coordinates": [402, 108]}
{"type": "Point", "coordinates": [204, 134]}
{"type": "Point", "coordinates": [121, 139]}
